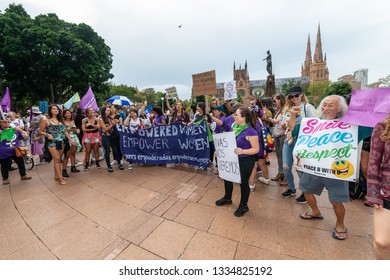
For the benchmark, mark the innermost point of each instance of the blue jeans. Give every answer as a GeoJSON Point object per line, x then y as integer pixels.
{"type": "Point", "coordinates": [288, 164]}
{"type": "Point", "coordinates": [279, 142]}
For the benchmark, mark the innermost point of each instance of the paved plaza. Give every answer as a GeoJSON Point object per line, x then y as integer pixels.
{"type": "Point", "coordinates": [156, 213]}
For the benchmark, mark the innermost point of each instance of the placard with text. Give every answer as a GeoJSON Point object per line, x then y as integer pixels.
{"type": "Point", "coordinates": [327, 148]}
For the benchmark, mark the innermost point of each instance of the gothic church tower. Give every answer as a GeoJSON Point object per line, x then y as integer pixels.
{"type": "Point", "coordinates": [241, 76]}
{"type": "Point", "coordinates": [316, 69]}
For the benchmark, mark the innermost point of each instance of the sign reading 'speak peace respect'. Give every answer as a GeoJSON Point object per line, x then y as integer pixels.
{"type": "Point", "coordinates": [327, 148]}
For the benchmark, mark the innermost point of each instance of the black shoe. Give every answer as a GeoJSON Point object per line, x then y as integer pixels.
{"type": "Point", "coordinates": [73, 169]}
{"type": "Point", "coordinates": [223, 201]}
{"type": "Point", "coordinates": [65, 173]}
{"type": "Point", "coordinates": [267, 162]}
{"type": "Point", "coordinates": [241, 210]}
{"type": "Point", "coordinates": [86, 167]}
{"type": "Point", "coordinates": [301, 199]}
{"type": "Point", "coordinates": [288, 193]}
{"type": "Point", "coordinates": [121, 167]}
{"type": "Point", "coordinates": [98, 165]}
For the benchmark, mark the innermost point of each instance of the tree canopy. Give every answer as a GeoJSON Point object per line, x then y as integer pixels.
{"type": "Point", "coordinates": [46, 58]}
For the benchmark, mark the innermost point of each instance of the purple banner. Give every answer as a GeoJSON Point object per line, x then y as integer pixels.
{"type": "Point", "coordinates": [6, 101]}
{"type": "Point", "coordinates": [88, 100]}
{"type": "Point", "coordinates": [368, 107]}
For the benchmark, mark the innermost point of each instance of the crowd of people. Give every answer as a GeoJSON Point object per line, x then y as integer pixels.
{"type": "Point", "coordinates": [60, 135]}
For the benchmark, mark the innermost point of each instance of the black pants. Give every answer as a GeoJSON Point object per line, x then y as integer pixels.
{"type": "Point", "coordinates": [109, 142]}
{"type": "Point", "coordinates": [246, 167]}
{"type": "Point", "coordinates": [6, 163]}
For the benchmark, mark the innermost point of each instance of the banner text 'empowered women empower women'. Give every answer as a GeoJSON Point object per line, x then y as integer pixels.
{"type": "Point", "coordinates": [165, 144]}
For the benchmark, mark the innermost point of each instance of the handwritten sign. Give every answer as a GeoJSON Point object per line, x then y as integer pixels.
{"type": "Point", "coordinates": [171, 92]}
{"type": "Point", "coordinates": [204, 83]}
{"type": "Point", "coordinates": [327, 148]}
{"type": "Point", "coordinates": [374, 103]}
{"type": "Point", "coordinates": [228, 166]}
{"type": "Point", "coordinates": [230, 90]}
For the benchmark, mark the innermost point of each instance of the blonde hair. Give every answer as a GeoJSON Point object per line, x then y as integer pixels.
{"type": "Point", "coordinates": [385, 136]}
{"type": "Point", "coordinates": [290, 104]}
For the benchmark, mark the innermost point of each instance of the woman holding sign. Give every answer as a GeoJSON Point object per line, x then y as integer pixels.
{"type": "Point", "coordinates": [378, 189]}
{"type": "Point", "coordinates": [247, 147]}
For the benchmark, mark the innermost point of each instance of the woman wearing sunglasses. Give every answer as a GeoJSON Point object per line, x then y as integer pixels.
{"type": "Point", "coordinates": [298, 104]}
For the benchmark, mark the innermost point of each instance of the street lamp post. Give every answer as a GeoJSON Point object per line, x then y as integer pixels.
{"type": "Point", "coordinates": [162, 104]}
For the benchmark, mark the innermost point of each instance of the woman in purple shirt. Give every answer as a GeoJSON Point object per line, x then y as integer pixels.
{"type": "Point", "coordinates": [247, 147]}
{"type": "Point", "coordinates": [159, 118]}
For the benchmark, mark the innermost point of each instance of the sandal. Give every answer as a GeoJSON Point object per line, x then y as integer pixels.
{"type": "Point", "coordinates": [62, 181]}
{"type": "Point", "coordinates": [339, 235]}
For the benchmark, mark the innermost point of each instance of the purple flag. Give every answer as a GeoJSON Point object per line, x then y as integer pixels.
{"type": "Point", "coordinates": [88, 100]}
{"type": "Point", "coordinates": [368, 107]}
{"type": "Point", "coordinates": [6, 101]}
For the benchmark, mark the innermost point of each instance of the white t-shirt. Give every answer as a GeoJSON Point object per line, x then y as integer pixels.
{"type": "Point", "coordinates": [16, 123]}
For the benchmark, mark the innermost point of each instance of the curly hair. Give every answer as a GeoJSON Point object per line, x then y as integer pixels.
{"type": "Point", "coordinates": [385, 136]}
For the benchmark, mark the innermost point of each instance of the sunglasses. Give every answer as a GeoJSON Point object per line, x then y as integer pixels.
{"type": "Point", "coordinates": [294, 96]}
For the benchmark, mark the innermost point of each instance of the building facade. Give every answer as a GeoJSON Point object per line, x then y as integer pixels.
{"type": "Point", "coordinates": [315, 68]}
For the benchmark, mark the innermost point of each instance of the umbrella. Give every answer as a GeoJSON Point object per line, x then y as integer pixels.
{"type": "Point", "coordinates": [120, 100]}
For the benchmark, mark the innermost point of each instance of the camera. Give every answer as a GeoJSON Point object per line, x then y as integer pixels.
{"type": "Point", "coordinates": [59, 145]}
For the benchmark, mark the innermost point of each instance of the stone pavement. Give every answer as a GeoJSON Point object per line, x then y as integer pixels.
{"type": "Point", "coordinates": [155, 212]}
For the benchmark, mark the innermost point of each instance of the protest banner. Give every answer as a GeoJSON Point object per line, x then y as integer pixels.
{"type": "Point", "coordinates": [327, 148]}
{"type": "Point", "coordinates": [230, 90]}
{"type": "Point", "coordinates": [163, 144]}
{"type": "Point", "coordinates": [228, 166]}
{"type": "Point", "coordinates": [171, 92]}
{"type": "Point", "coordinates": [374, 103]}
{"type": "Point", "coordinates": [204, 83]}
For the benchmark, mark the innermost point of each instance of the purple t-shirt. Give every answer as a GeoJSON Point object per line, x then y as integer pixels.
{"type": "Point", "coordinates": [228, 123]}
{"type": "Point", "coordinates": [216, 128]}
{"type": "Point", "coordinates": [158, 121]}
{"type": "Point", "coordinates": [6, 150]}
{"type": "Point", "coordinates": [242, 142]}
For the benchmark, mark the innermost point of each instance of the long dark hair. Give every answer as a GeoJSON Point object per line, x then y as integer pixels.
{"type": "Point", "coordinates": [59, 116]}
{"type": "Point", "coordinates": [103, 114]}
{"type": "Point", "coordinates": [158, 110]}
{"type": "Point", "coordinates": [246, 113]}
{"type": "Point", "coordinates": [64, 112]}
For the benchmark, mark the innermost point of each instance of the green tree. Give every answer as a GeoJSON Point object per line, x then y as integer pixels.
{"type": "Point", "coordinates": [317, 91]}
{"type": "Point", "coordinates": [46, 58]}
{"type": "Point", "coordinates": [124, 90]}
{"type": "Point", "coordinates": [339, 88]}
{"type": "Point", "coordinates": [384, 82]}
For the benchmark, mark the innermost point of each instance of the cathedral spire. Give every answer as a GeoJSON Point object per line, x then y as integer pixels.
{"type": "Point", "coordinates": [308, 54]}
{"type": "Point", "coordinates": [246, 65]}
{"type": "Point", "coordinates": [318, 50]}
{"type": "Point", "coordinates": [234, 66]}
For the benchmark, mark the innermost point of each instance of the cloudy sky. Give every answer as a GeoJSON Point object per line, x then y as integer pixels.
{"type": "Point", "coordinates": [150, 50]}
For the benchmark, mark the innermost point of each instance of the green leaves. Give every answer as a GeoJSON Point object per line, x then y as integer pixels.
{"type": "Point", "coordinates": [46, 58]}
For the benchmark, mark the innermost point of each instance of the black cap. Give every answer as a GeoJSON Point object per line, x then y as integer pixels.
{"type": "Point", "coordinates": [294, 89]}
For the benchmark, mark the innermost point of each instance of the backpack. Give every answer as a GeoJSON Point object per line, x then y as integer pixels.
{"type": "Point", "coordinates": [267, 137]}
{"type": "Point", "coordinates": [358, 190]}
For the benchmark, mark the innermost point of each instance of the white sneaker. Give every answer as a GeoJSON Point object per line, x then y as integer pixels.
{"type": "Point", "coordinates": [130, 166]}
{"type": "Point", "coordinates": [263, 180]}
{"type": "Point", "coordinates": [113, 162]}
{"type": "Point", "coordinates": [252, 187]}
